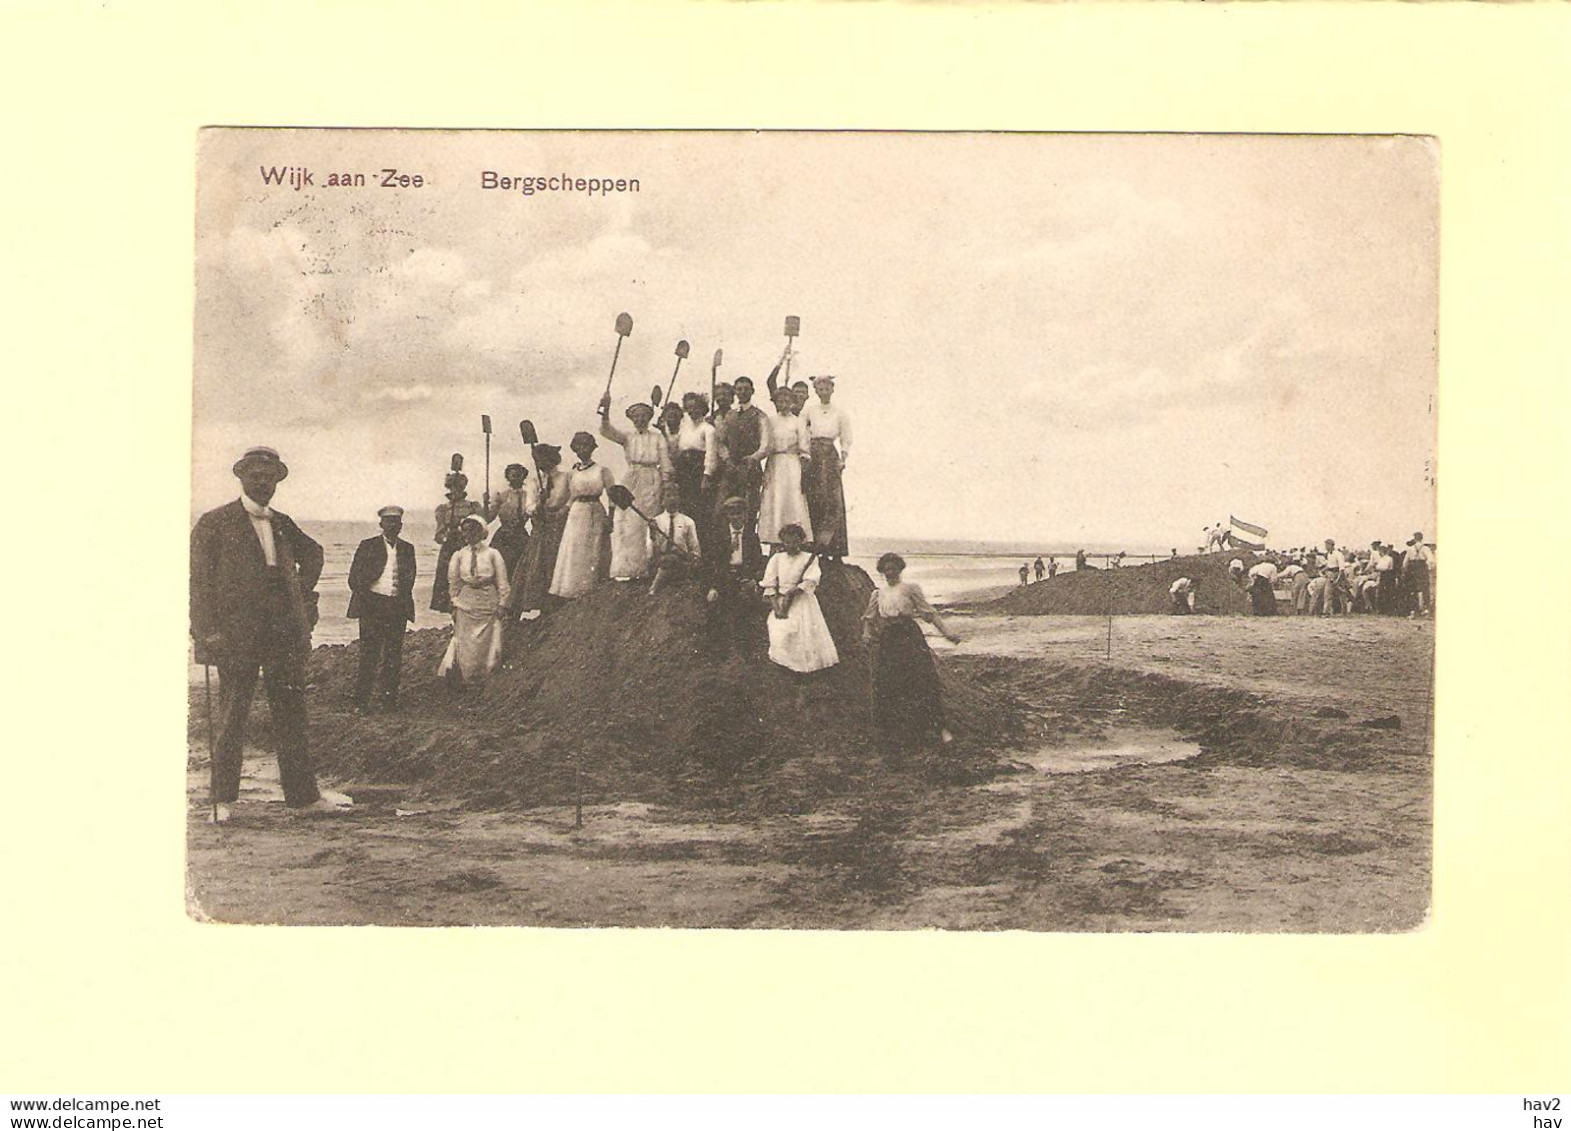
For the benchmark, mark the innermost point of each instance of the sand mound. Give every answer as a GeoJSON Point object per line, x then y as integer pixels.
{"type": "Point", "coordinates": [1129, 591]}
{"type": "Point", "coordinates": [619, 695]}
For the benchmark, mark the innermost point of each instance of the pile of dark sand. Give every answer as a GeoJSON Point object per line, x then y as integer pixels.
{"type": "Point", "coordinates": [619, 696]}
{"type": "Point", "coordinates": [1129, 591]}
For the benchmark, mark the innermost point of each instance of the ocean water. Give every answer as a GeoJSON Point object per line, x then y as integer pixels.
{"type": "Point", "coordinates": [942, 576]}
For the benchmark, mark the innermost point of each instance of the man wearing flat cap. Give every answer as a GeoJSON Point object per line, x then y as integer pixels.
{"type": "Point", "coordinates": [382, 599]}
{"type": "Point", "coordinates": [253, 605]}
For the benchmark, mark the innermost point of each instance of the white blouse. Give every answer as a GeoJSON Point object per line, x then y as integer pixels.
{"type": "Point", "coordinates": [699, 437]}
{"type": "Point", "coordinates": [787, 573]}
{"type": "Point", "coordinates": [828, 422]}
{"type": "Point", "coordinates": [477, 567]}
{"type": "Point", "coordinates": [903, 600]}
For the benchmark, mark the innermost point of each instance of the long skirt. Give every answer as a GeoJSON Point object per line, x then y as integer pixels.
{"type": "Point", "coordinates": [801, 641]}
{"type": "Point", "coordinates": [690, 485]}
{"type": "Point", "coordinates": [585, 554]}
{"type": "Point", "coordinates": [532, 577]}
{"type": "Point", "coordinates": [476, 646]}
{"type": "Point", "coordinates": [740, 479]}
{"type": "Point", "coordinates": [1262, 597]}
{"type": "Point", "coordinates": [648, 489]}
{"type": "Point", "coordinates": [826, 500]}
{"type": "Point", "coordinates": [783, 502]}
{"type": "Point", "coordinates": [511, 542]}
{"type": "Point", "coordinates": [629, 544]}
{"type": "Point", "coordinates": [441, 597]}
{"type": "Point", "coordinates": [908, 706]}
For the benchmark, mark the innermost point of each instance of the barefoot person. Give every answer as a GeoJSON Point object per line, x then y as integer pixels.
{"type": "Point", "coordinates": [908, 706]}
{"type": "Point", "coordinates": [477, 579]}
{"type": "Point", "coordinates": [253, 605]}
{"type": "Point", "coordinates": [798, 636]}
{"type": "Point", "coordinates": [382, 599]}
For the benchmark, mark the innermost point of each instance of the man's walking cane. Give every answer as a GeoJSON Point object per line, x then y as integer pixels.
{"type": "Point", "coordinates": [212, 743]}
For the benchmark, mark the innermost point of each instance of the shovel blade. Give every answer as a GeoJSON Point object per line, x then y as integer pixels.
{"type": "Point", "coordinates": [526, 429]}
{"type": "Point", "coordinates": [681, 349]}
{"type": "Point", "coordinates": [793, 326]}
{"type": "Point", "coordinates": [624, 324]}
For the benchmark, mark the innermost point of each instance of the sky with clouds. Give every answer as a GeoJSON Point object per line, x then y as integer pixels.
{"type": "Point", "coordinates": [1100, 339]}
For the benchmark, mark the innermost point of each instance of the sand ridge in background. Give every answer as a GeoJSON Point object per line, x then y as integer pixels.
{"type": "Point", "coordinates": [1130, 590]}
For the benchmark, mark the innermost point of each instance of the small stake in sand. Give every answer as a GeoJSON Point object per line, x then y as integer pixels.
{"type": "Point", "coordinates": [578, 795]}
{"type": "Point", "coordinates": [212, 744]}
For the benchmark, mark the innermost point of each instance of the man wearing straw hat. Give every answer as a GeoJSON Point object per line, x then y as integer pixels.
{"type": "Point", "coordinates": [253, 605]}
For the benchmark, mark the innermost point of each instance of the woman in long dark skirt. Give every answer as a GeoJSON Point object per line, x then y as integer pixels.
{"type": "Point", "coordinates": [449, 535]}
{"type": "Point", "coordinates": [532, 576]}
{"type": "Point", "coordinates": [908, 705]}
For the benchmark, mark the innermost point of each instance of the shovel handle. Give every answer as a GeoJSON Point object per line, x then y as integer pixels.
{"type": "Point", "coordinates": [614, 356]}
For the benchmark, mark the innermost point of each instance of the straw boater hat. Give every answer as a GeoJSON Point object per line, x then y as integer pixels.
{"type": "Point", "coordinates": [390, 512]}
{"type": "Point", "coordinates": [474, 518]}
{"type": "Point", "coordinates": [262, 457]}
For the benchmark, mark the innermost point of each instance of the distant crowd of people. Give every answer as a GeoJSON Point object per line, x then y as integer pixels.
{"type": "Point", "coordinates": [1382, 580]}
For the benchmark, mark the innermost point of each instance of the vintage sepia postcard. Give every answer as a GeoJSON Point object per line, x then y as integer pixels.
{"type": "Point", "coordinates": [832, 530]}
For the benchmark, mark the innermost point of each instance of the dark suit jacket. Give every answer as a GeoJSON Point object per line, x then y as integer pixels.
{"type": "Point", "coordinates": [370, 561]}
{"type": "Point", "coordinates": [753, 560]}
{"type": "Point", "coordinates": [229, 584]}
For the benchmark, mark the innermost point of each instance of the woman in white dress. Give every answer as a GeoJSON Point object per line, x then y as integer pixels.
{"type": "Point", "coordinates": [798, 637]}
{"type": "Point", "coordinates": [629, 538]}
{"type": "Point", "coordinates": [784, 447]}
{"type": "Point", "coordinates": [585, 554]}
{"type": "Point", "coordinates": [477, 580]}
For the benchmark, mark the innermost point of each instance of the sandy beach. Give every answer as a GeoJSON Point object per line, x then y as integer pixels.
{"type": "Point", "coordinates": [1213, 774]}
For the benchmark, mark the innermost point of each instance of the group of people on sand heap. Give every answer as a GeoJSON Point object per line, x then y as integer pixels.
{"type": "Point", "coordinates": [704, 492]}
{"type": "Point", "coordinates": [1382, 580]}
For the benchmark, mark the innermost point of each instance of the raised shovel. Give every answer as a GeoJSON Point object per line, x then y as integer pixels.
{"type": "Point", "coordinates": [793, 327]}
{"type": "Point", "coordinates": [714, 370]}
{"type": "Point", "coordinates": [485, 427]}
{"type": "Point", "coordinates": [624, 327]}
{"type": "Point", "coordinates": [681, 356]}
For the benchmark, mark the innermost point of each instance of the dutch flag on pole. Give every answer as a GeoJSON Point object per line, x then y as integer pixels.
{"type": "Point", "coordinates": [1247, 528]}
